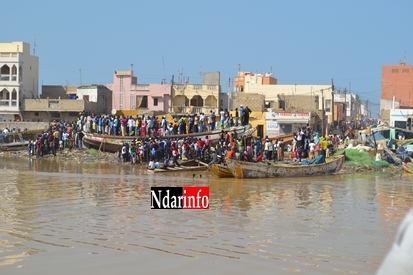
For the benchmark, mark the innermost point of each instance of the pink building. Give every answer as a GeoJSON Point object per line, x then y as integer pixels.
{"type": "Point", "coordinates": [127, 94]}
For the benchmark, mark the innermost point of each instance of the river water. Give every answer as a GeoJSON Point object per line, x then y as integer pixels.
{"type": "Point", "coordinates": [72, 218]}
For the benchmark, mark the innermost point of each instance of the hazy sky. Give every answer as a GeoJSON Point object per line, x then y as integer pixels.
{"type": "Point", "coordinates": [301, 42]}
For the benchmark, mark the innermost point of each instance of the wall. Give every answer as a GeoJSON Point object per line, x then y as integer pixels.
{"type": "Point", "coordinates": [254, 101]}
{"type": "Point", "coordinates": [56, 105]}
{"type": "Point", "coordinates": [56, 91]}
{"type": "Point", "coordinates": [24, 125]}
{"type": "Point", "coordinates": [397, 80]}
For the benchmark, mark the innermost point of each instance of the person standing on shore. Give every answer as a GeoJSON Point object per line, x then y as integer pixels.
{"type": "Point", "coordinates": [236, 117]}
{"type": "Point", "coordinates": [242, 113]}
{"type": "Point", "coordinates": [123, 125]}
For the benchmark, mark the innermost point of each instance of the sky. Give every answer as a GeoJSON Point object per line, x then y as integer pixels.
{"type": "Point", "coordinates": [300, 42]}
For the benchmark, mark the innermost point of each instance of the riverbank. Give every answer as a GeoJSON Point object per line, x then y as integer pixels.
{"type": "Point", "coordinates": [88, 156]}
{"type": "Point", "coordinates": [356, 162]}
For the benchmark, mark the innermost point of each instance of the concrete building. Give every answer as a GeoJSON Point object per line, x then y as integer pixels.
{"type": "Point", "coordinates": [64, 103]}
{"type": "Point", "coordinates": [19, 74]}
{"type": "Point", "coordinates": [198, 98]}
{"type": "Point", "coordinates": [396, 89]}
{"type": "Point", "coordinates": [96, 93]}
{"type": "Point", "coordinates": [50, 110]}
{"type": "Point", "coordinates": [353, 105]}
{"type": "Point", "coordinates": [289, 98]}
{"type": "Point", "coordinates": [275, 94]}
{"type": "Point", "coordinates": [127, 94]}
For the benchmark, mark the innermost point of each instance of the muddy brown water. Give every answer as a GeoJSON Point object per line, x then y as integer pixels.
{"type": "Point", "coordinates": [71, 218]}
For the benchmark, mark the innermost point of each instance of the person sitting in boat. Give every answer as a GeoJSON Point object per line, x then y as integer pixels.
{"type": "Point", "coordinates": [311, 153]}
{"type": "Point", "coordinates": [151, 164]}
{"type": "Point", "coordinates": [231, 153]}
{"type": "Point", "coordinates": [214, 157]}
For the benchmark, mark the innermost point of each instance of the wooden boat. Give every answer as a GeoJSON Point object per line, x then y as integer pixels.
{"type": "Point", "coordinates": [241, 169]}
{"type": "Point", "coordinates": [190, 165]}
{"type": "Point", "coordinates": [220, 170]}
{"type": "Point", "coordinates": [407, 168]}
{"type": "Point", "coordinates": [109, 143]}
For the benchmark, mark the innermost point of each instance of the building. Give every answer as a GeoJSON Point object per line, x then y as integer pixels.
{"type": "Point", "coordinates": [96, 93]}
{"type": "Point", "coordinates": [19, 74]}
{"type": "Point", "coordinates": [281, 98]}
{"type": "Point", "coordinates": [197, 98]}
{"type": "Point", "coordinates": [64, 103]}
{"type": "Point", "coordinates": [54, 110]}
{"type": "Point", "coordinates": [127, 94]}
{"type": "Point", "coordinates": [396, 89]}
{"type": "Point", "coordinates": [353, 106]}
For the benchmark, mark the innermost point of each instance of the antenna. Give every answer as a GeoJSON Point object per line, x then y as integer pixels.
{"type": "Point", "coordinates": [131, 66]}
{"type": "Point", "coordinates": [34, 47]}
{"type": "Point", "coordinates": [80, 72]}
{"type": "Point", "coordinates": [200, 74]}
{"type": "Point", "coordinates": [270, 69]}
{"type": "Point", "coordinates": [163, 66]}
{"type": "Point", "coordinates": [180, 80]}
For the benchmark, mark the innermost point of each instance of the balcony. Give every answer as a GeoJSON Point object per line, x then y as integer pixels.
{"type": "Point", "coordinates": [194, 109]}
{"type": "Point", "coordinates": [4, 77]}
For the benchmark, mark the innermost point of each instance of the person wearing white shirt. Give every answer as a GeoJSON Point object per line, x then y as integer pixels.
{"type": "Point", "coordinates": [311, 154]}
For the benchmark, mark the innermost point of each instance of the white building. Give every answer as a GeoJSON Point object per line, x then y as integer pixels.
{"type": "Point", "coordinates": [19, 74]}
{"type": "Point", "coordinates": [398, 117]}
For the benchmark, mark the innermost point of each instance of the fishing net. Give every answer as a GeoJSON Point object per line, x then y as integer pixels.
{"type": "Point", "coordinates": [91, 151]}
{"type": "Point", "coordinates": [381, 163]}
{"type": "Point", "coordinates": [355, 158]}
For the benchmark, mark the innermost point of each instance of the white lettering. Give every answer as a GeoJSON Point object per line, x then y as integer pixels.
{"type": "Point", "coordinates": [205, 204]}
{"type": "Point", "coordinates": [157, 200]}
{"type": "Point", "coordinates": [165, 200]}
{"type": "Point", "coordinates": [197, 199]}
{"type": "Point", "coordinates": [191, 201]}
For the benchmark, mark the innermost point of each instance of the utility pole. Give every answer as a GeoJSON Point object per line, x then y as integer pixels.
{"type": "Point", "coordinates": [322, 112]}
{"type": "Point", "coordinates": [332, 102]}
{"type": "Point", "coordinates": [345, 105]}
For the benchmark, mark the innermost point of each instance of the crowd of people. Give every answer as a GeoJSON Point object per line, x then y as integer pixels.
{"type": "Point", "coordinates": [143, 126]}
{"type": "Point", "coordinates": [151, 140]}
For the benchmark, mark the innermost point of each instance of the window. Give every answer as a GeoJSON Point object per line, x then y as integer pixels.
{"type": "Point", "coordinates": [406, 71]}
{"type": "Point", "coordinates": [394, 70]}
{"type": "Point", "coordinates": [328, 105]}
{"type": "Point", "coordinates": [120, 101]}
{"type": "Point", "coordinates": [36, 113]}
{"type": "Point", "coordinates": [55, 115]}
{"type": "Point", "coordinates": [400, 124]}
{"type": "Point", "coordinates": [132, 102]}
{"type": "Point", "coordinates": [14, 73]}
{"type": "Point", "coordinates": [155, 101]}
{"type": "Point", "coordinates": [73, 114]}
{"type": "Point", "coordinates": [121, 83]}
{"type": "Point", "coordinates": [144, 103]}
{"type": "Point", "coordinates": [5, 73]}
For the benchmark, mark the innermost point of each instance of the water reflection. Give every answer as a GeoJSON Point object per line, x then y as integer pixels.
{"type": "Point", "coordinates": [313, 225]}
